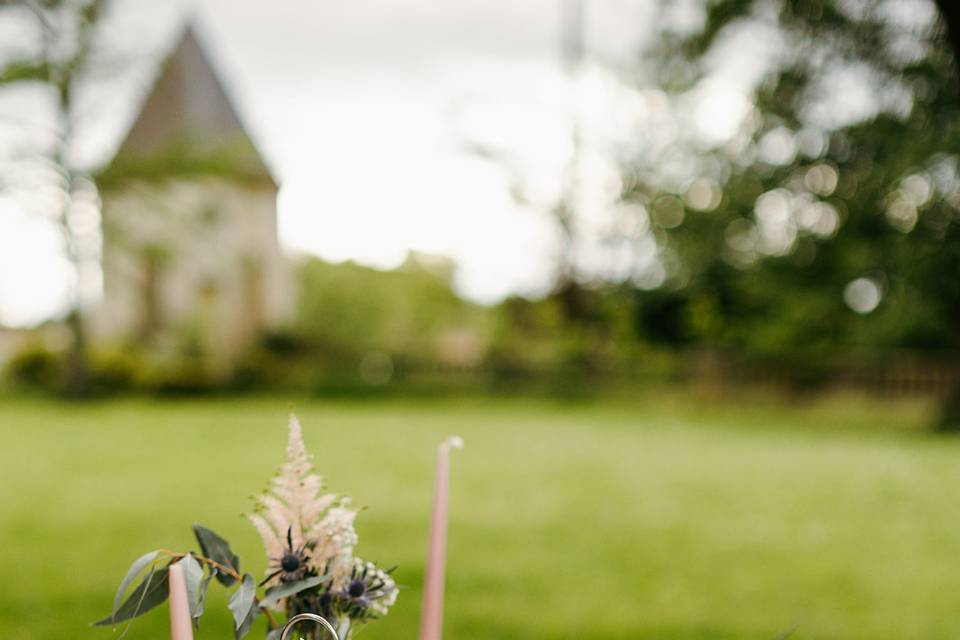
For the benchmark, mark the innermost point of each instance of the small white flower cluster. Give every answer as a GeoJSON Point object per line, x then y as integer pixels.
{"type": "Point", "coordinates": [334, 541]}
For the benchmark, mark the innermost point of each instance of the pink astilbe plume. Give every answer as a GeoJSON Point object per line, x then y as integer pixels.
{"type": "Point", "coordinates": [296, 504]}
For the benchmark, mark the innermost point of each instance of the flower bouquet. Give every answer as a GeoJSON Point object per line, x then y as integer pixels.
{"type": "Point", "coordinates": [309, 539]}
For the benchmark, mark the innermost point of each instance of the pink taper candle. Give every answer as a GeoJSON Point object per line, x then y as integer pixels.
{"type": "Point", "coordinates": [431, 618]}
{"type": "Point", "coordinates": [181, 624]}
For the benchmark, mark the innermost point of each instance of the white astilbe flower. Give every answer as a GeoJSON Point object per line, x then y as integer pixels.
{"type": "Point", "coordinates": [295, 513]}
{"type": "Point", "coordinates": [335, 539]}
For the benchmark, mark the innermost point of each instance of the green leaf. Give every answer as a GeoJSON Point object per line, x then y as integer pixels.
{"type": "Point", "coordinates": [276, 593]}
{"type": "Point", "coordinates": [148, 594]}
{"type": "Point", "coordinates": [343, 629]}
{"type": "Point", "coordinates": [138, 565]}
{"type": "Point", "coordinates": [193, 573]}
{"type": "Point", "coordinates": [789, 632]}
{"type": "Point", "coordinates": [247, 623]}
{"type": "Point", "coordinates": [218, 550]}
{"type": "Point", "coordinates": [241, 602]}
{"type": "Point", "coordinates": [201, 604]}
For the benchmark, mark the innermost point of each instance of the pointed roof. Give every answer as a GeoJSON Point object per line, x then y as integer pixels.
{"type": "Point", "coordinates": [188, 124]}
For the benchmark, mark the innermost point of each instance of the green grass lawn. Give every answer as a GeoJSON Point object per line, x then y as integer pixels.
{"type": "Point", "coordinates": [647, 519]}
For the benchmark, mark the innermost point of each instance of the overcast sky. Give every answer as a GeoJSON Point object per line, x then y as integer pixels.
{"type": "Point", "coordinates": [363, 109]}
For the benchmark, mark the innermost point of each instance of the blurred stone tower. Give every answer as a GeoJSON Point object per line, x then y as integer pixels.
{"type": "Point", "coordinates": [191, 258]}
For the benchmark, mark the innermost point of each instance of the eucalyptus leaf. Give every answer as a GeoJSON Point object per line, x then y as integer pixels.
{"type": "Point", "coordinates": [193, 573]}
{"type": "Point", "coordinates": [202, 601]}
{"type": "Point", "coordinates": [343, 629]}
{"type": "Point", "coordinates": [241, 602]}
{"type": "Point", "coordinates": [278, 592]}
{"type": "Point", "coordinates": [787, 633]}
{"type": "Point", "coordinates": [274, 634]}
{"type": "Point", "coordinates": [138, 565]}
{"type": "Point", "coordinates": [151, 592]}
{"type": "Point", "coordinates": [244, 627]}
{"type": "Point", "coordinates": [218, 550]}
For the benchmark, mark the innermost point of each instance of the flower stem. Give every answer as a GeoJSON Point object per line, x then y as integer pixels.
{"type": "Point", "coordinates": [213, 563]}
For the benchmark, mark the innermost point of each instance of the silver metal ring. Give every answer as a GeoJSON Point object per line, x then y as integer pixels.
{"type": "Point", "coordinates": [312, 617]}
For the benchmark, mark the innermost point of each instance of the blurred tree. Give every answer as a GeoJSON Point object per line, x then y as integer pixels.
{"type": "Point", "coordinates": [575, 300]}
{"type": "Point", "coordinates": [57, 52]}
{"type": "Point", "coordinates": [347, 310]}
{"type": "Point", "coordinates": [830, 217]}
{"type": "Point", "coordinates": [951, 18]}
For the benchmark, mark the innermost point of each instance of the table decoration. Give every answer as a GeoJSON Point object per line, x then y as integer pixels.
{"type": "Point", "coordinates": [309, 540]}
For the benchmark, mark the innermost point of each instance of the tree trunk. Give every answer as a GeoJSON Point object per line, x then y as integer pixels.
{"type": "Point", "coordinates": [76, 381]}
{"type": "Point", "coordinates": [950, 11]}
{"type": "Point", "coordinates": [949, 420]}
{"type": "Point", "coordinates": [950, 412]}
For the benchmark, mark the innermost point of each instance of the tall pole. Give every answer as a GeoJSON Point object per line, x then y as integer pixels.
{"type": "Point", "coordinates": [572, 44]}
{"type": "Point", "coordinates": [573, 23]}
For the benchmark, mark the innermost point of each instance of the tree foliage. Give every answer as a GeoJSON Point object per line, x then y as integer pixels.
{"type": "Point", "coordinates": [831, 217]}
{"type": "Point", "coordinates": [60, 51]}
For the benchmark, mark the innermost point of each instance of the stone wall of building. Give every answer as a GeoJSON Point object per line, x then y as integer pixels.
{"type": "Point", "coordinates": [192, 260]}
